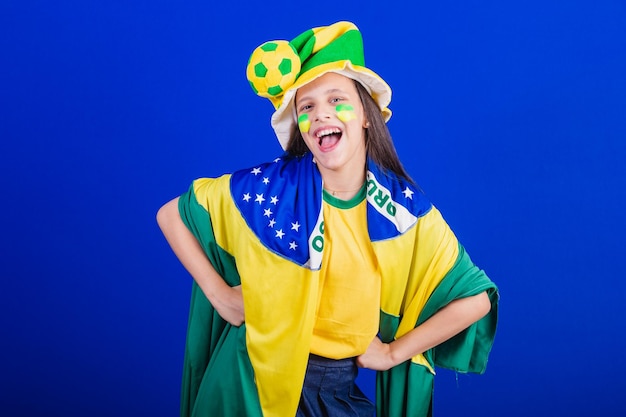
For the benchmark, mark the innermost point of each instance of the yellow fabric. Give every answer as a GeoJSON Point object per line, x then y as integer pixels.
{"type": "Point", "coordinates": [349, 302]}
{"type": "Point", "coordinates": [279, 359]}
{"type": "Point", "coordinates": [432, 258]}
{"type": "Point", "coordinates": [326, 34]}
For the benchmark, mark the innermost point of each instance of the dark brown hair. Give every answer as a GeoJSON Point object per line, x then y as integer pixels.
{"type": "Point", "coordinates": [378, 143]}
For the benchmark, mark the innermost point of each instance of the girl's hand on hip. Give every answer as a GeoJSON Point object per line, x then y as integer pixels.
{"type": "Point", "coordinates": [229, 305]}
{"type": "Point", "coordinates": [376, 357]}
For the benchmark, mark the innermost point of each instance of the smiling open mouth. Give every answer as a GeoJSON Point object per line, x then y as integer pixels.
{"type": "Point", "coordinates": [327, 138]}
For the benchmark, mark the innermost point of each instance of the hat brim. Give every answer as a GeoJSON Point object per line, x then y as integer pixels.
{"type": "Point", "coordinates": [284, 118]}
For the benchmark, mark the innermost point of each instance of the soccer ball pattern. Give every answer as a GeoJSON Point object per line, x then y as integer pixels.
{"type": "Point", "coordinates": [272, 68]}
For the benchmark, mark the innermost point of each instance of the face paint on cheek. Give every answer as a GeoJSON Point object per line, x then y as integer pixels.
{"type": "Point", "coordinates": [345, 112]}
{"type": "Point", "coordinates": [304, 123]}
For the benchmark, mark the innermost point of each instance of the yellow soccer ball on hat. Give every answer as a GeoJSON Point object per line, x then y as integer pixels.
{"type": "Point", "coordinates": [273, 67]}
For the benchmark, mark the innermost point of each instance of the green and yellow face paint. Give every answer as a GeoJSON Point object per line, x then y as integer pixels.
{"type": "Point", "coordinates": [304, 123]}
{"type": "Point", "coordinates": [345, 112]}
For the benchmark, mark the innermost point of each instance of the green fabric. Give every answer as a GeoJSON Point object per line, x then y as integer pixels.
{"type": "Point", "coordinates": [303, 44]}
{"type": "Point", "coordinates": [407, 389]}
{"type": "Point", "coordinates": [348, 46]}
{"type": "Point", "coordinates": [404, 390]}
{"type": "Point", "coordinates": [388, 327]}
{"type": "Point", "coordinates": [469, 350]}
{"type": "Point", "coordinates": [218, 379]}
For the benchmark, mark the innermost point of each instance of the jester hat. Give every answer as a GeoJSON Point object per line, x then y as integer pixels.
{"type": "Point", "coordinates": [277, 69]}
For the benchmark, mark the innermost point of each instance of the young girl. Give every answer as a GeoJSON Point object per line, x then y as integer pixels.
{"type": "Point", "coordinates": [326, 259]}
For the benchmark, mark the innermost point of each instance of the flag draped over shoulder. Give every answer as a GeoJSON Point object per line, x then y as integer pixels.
{"type": "Point", "coordinates": [263, 228]}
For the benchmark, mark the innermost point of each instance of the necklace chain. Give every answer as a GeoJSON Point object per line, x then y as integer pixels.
{"type": "Point", "coordinates": [334, 192]}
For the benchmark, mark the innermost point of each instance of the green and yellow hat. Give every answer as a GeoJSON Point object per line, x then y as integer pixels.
{"type": "Point", "coordinates": [277, 69]}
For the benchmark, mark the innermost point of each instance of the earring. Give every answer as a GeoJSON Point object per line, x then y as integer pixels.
{"type": "Point", "coordinates": [367, 124]}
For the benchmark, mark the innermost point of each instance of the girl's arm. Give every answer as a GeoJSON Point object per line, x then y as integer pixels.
{"type": "Point", "coordinates": [228, 301]}
{"type": "Point", "coordinates": [446, 323]}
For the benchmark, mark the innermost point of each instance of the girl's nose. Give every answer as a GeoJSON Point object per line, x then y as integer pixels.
{"type": "Point", "coordinates": [321, 114]}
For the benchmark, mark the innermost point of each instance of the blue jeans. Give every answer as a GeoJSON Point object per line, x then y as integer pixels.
{"type": "Point", "coordinates": [330, 390]}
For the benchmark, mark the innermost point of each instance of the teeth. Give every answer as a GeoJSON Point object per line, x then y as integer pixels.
{"type": "Point", "coordinates": [327, 132]}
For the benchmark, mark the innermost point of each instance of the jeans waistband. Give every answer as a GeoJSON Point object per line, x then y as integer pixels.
{"type": "Point", "coordinates": [330, 363]}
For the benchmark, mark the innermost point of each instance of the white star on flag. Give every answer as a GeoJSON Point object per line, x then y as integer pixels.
{"type": "Point", "coordinates": [266, 180]}
{"type": "Point", "coordinates": [255, 171]}
{"type": "Point", "coordinates": [267, 212]}
{"type": "Point", "coordinates": [408, 193]}
{"type": "Point", "coordinates": [246, 197]}
{"type": "Point", "coordinates": [295, 226]}
{"type": "Point", "coordinates": [274, 200]}
{"type": "Point", "coordinates": [293, 245]}
{"type": "Point", "coordinates": [280, 233]}
{"type": "Point", "coordinates": [272, 223]}
{"type": "Point", "coordinates": [259, 198]}
{"type": "Point", "coordinates": [277, 159]}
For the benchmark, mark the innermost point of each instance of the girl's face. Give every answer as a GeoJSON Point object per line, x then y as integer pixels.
{"type": "Point", "coordinates": [331, 120]}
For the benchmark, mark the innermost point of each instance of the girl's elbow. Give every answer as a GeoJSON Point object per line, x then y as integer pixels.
{"type": "Point", "coordinates": [161, 216]}
{"type": "Point", "coordinates": [165, 213]}
{"type": "Point", "coordinates": [483, 304]}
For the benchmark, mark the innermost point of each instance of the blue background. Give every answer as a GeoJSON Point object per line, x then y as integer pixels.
{"type": "Point", "coordinates": [510, 115]}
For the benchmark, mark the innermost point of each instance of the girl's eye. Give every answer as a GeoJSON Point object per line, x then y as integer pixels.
{"type": "Point", "coordinates": [305, 107]}
{"type": "Point", "coordinates": [335, 99]}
